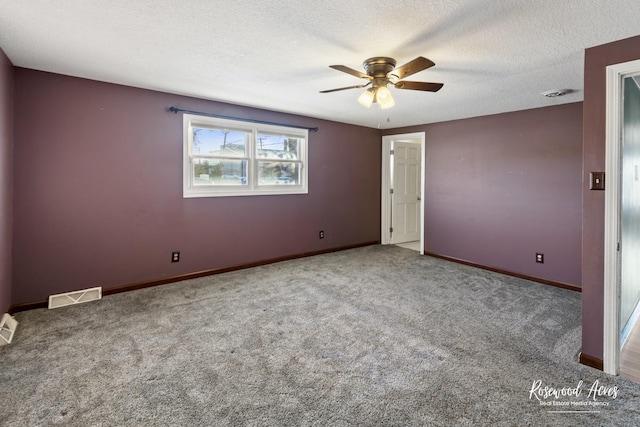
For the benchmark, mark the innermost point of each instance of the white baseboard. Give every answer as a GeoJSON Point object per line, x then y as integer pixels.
{"type": "Point", "coordinates": [630, 324]}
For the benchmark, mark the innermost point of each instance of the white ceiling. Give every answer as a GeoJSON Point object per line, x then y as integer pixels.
{"type": "Point", "coordinates": [493, 56]}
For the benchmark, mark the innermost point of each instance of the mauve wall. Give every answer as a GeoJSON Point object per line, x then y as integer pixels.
{"type": "Point", "coordinates": [6, 172]}
{"type": "Point", "coordinates": [501, 188]}
{"type": "Point", "coordinates": [98, 190]}
{"type": "Point", "coordinates": [594, 112]}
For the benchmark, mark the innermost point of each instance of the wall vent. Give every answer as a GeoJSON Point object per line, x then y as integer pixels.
{"type": "Point", "coordinates": [76, 297]}
{"type": "Point", "coordinates": [8, 326]}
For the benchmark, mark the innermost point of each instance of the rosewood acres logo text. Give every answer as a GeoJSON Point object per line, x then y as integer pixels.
{"type": "Point", "coordinates": [580, 398]}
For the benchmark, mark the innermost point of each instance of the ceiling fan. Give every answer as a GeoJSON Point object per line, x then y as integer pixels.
{"type": "Point", "coordinates": [381, 71]}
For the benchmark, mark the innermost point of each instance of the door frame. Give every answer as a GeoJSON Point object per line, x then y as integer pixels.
{"type": "Point", "coordinates": [385, 199]}
{"type": "Point", "coordinates": [615, 75]}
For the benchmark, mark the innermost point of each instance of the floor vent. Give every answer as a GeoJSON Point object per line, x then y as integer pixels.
{"type": "Point", "coordinates": [8, 326]}
{"type": "Point", "coordinates": [76, 297]}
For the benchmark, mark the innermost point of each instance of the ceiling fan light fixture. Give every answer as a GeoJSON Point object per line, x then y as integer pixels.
{"type": "Point", "coordinates": [367, 97]}
{"type": "Point", "coordinates": [384, 98]}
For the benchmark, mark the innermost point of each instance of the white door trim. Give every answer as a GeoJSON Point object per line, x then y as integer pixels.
{"type": "Point", "coordinates": [385, 216]}
{"type": "Point", "coordinates": [611, 322]}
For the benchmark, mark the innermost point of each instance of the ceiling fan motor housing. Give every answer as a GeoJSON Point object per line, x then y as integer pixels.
{"type": "Point", "coordinates": [378, 67]}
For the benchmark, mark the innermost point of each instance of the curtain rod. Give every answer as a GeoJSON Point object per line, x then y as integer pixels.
{"type": "Point", "coordinates": [219, 116]}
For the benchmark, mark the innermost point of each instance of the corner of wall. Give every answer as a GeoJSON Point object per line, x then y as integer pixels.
{"type": "Point", "coordinates": [6, 181]}
{"type": "Point", "coordinates": [597, 59]}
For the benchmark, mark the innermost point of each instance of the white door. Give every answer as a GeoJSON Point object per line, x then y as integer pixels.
{"type": "Point", "coordinates": [405, 196]}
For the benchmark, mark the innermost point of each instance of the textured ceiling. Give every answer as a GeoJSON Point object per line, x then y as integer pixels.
{"type": "Point", "coordinates": [492, 55]}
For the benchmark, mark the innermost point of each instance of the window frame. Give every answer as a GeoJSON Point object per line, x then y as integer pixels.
{"type": "Point", "coordinates": [252, 186]}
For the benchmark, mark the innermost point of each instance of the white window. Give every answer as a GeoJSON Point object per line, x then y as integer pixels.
{"type": "Point", "coordinates": [225, 157]}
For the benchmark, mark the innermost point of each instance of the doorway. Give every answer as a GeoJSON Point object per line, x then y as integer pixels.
{"type": "Point", "coordinates": [402, 207]}
{"type": "Point", "coordinates": [630, 208]}
{"type": "Point", "coordinates": [622, 211]}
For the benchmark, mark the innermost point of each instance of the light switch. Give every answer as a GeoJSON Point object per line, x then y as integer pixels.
{"type": "Point", "coordinates": [597, 181]}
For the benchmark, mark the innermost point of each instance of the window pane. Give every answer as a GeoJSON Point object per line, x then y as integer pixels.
{"type": "Point", "coordinates": [278, 173]}
{"type": "Point", "coordinates": [277, 147]}
{"type": "Point", "coordinates": [227, 158]}
{"type": "Point", "coordinates": [219, 172]}
{"type": "Point", "coordinates": [219, 142]}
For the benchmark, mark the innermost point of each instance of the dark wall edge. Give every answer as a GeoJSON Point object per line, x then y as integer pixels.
{"type": "Point", "coordinates": [148, 284]}
{"type": "Point", "coordinates": [591, 361]}
{"type": "Point", "coordinates": [509, 273]}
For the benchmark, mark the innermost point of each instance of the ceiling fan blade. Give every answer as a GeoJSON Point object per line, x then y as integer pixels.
{"type": "Point", "coordinates": [344, 88]}
{"type": "Point", "coordinates": [411, 67]}
{"type": "Point", "coordinates": [351, 71]}
{"type": "Point", "coordinates": [429, 87]}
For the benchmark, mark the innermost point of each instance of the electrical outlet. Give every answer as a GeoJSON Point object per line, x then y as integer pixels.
{"type": "Point", "coordinates": [540, 258]}
{"type": "Point", "coordinates": [321, 234]}
{"type": "Point", "coordinates": [175, 256]}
